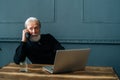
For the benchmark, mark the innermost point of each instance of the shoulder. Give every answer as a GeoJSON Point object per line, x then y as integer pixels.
{"type": "Point", "coordinates": [47, 35]}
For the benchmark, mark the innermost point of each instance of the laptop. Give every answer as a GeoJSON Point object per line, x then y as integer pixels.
{"type": "Point", "coordinates": [69, 60]}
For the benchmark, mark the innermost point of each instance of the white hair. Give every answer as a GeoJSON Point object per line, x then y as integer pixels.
{"type": "Point", "coordinates": [30, 19]}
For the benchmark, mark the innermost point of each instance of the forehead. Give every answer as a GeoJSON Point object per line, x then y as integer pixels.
{"type": "Point", "coordinates": [32, 24]}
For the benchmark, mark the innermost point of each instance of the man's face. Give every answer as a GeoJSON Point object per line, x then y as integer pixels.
{"type": "Point", "coordinates": [33, 27]}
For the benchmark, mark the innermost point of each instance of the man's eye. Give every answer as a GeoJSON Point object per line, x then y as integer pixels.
{"type": "Point", "coordinates": [31, 29]}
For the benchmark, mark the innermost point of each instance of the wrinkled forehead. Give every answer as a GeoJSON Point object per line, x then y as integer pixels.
{"type": "Point", "coordinates": [32, 22]}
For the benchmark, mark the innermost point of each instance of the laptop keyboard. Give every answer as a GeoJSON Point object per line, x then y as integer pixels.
{"type": "Point", "coordinates": [49, 67]}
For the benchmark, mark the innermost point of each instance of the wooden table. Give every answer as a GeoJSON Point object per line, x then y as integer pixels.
{"type": "Point", "coordinates": [35, 72]}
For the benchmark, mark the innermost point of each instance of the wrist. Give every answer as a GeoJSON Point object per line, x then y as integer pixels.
{"type": "Point", "coordinates": [24, 40]}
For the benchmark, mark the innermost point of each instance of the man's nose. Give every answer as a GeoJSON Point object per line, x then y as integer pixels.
{"type": "Point", "coordinates": [33, 31]}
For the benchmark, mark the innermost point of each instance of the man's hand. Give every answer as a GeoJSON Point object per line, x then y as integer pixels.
{"type": "Point", "coordinates": [24, 39]}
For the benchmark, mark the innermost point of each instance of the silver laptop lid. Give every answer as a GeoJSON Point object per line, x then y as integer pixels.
{"type": "Point", "coordinates": [70, 60]}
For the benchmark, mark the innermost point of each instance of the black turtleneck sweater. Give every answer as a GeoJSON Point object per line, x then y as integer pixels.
{"type": "Point", "coordinates": [41, 52]}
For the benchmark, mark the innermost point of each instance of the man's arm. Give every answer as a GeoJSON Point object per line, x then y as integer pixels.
{"type": "Point", "coordinates": [20, 53]}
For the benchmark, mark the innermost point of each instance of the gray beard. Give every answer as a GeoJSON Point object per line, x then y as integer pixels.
{"type": "Point", "coordinates": [35, 38]}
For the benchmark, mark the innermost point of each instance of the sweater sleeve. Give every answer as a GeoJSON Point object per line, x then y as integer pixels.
{"type": "Point", "coordinates": [20, 53]}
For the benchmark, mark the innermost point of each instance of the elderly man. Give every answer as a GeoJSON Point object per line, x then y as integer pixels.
{"type": "Point", "coordinates": [38, 48]}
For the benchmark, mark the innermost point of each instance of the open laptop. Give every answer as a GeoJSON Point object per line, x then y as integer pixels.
{"type": "Point", "coordinates": [69, 60]}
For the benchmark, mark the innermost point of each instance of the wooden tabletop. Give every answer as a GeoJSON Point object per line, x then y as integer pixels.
{"type": "Point", "coordinates": [35, 72]}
